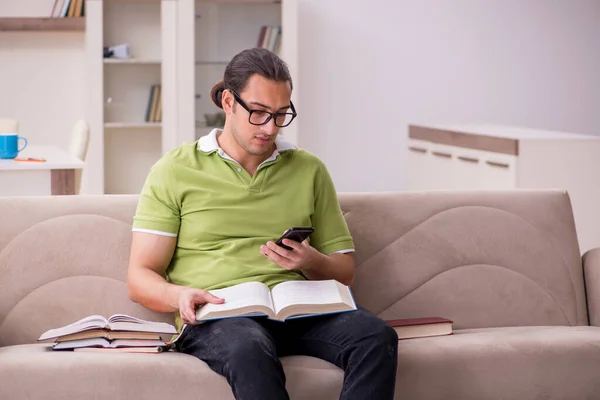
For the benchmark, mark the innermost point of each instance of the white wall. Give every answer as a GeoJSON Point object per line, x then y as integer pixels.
{"type": "Point", "coordinates": [42, 76]}
{"type": "Point", "coordinates": [42, 84]}
{"type": "Point", "coordinates": [369, 68]}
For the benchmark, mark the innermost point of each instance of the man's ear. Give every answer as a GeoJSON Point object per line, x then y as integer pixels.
{"type": "Point", "coordinates": [227, 101]}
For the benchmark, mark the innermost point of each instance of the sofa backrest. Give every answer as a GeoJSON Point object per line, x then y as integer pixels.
{"type": "Point", "coordinates": [63, 258]}
{"type": "Point", "coordinates": [481, 259]}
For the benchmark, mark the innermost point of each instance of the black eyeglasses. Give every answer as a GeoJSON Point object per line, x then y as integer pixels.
{"type": "Point", "coordinates": [261, 117]}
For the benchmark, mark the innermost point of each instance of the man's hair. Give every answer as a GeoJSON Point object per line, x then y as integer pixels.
{"type": "Point", "coordinates": [245, 64]}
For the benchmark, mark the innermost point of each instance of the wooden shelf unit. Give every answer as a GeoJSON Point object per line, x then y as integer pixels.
{"type": "Point", "coordinates": [131, 61]}
{"type": "Point", "coordinates": [42, 24]}
{"type": "Point", "coordinates": [240, 1]}
{"type": "Point", "coordinates": [132, 125]}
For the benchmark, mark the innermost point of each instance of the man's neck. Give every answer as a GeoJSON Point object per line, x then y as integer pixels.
{"type": "Point", "coordinates": [232, 148]}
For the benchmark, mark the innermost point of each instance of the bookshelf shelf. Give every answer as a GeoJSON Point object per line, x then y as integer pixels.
{"type": "Point", "coordinates": [42, 24]}
{"type": "Point", "coordinates": [132, 125]}
{"type": "Point", "coordinates": [240, 1]}
{"type": "Point", "coordinates": [126, 61]}
{"type": "Point", "coordinates": [204, 125]}
{"type": "Point", "coordinates": [212, 63]}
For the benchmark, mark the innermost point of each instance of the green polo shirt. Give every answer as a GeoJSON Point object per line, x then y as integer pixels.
{"type": "Point", "coordinates": [221, 215]}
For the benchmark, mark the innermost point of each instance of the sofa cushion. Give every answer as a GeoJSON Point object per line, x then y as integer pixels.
{"type": "Point", "coordinates": [502, 363]}
{"type": "Point", "coordinates": [508, 363]}
{"type": "Point", "coordinates": [34, 371]}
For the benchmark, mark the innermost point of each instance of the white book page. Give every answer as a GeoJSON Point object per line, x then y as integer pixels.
{"type": "Point", "coordinates": [238, 296]}
{"type": "Point", "coordinates": [129, 318]}
{"type": "Point", "coordinates": [305, 292]}
{"type": "Point", "coordinates": [91, 322]}
{"type": "Point", "coordinates": [93, 319]}
{"type": "Point", "coordinates": [126, 322]}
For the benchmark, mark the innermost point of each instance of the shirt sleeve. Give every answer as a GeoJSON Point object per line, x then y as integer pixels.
{"type": "Point", "coordinates": [331, 233]}
{"type": "Point", "coordinates": [158, 208]}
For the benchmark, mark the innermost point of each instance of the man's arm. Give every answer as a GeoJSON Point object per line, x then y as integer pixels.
{"type": "Point", "coordinates": [148, 261]}
{"type": "Point", "coordinates": [313, 264]}
{"type": "Point", "coordinates": [334, 266]}
{"type": "Point", "coordinates": [146, 283]}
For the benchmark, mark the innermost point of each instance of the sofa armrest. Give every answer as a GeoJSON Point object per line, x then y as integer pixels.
{"type": "Point", "coordinates": [591, 271]}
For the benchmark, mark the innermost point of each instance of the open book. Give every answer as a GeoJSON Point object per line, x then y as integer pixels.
{"type": "Point", "coordinates": [292, 299]}
{"type": "Point", "coordinates": [117, 322]}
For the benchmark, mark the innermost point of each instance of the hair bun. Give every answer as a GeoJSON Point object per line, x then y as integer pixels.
{"type": "Point", "coordinates": [216, 93]}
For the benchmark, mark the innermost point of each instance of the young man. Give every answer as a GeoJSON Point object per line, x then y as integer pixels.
{"type": "Point", "coordinates": [206, 219]}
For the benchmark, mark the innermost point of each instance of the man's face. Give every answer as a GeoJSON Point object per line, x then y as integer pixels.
{"type": "Point", "coordinates": [260, 94]}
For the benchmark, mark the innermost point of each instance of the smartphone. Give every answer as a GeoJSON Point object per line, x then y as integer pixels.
{"type": "Point", "coordinates": [297, 234]}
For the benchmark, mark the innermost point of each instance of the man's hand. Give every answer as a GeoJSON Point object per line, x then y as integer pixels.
{"type": "Point", "coordinates": [303, 256]}
{"type": "Point", "coordinates": [313, 264]}
{"type": "Point", "coordinates": [190, 298]}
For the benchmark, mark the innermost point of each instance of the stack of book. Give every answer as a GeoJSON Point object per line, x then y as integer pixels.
{"type": "Point", "coordinates": [119, 333]}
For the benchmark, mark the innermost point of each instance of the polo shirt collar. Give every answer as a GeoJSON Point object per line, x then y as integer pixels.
{"type": "Point", "coordinates": [209, 144]}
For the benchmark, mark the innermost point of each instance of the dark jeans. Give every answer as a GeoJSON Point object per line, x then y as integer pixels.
{"type": "Point", "coordinates": [246, 351]}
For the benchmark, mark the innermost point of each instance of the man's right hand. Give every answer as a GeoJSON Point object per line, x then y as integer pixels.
{"type": "Point", "coordinates": [190, 298]}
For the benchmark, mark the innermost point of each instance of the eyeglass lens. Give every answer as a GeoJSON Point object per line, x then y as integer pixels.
{"type": "Point", "coordinates": [260, 117]}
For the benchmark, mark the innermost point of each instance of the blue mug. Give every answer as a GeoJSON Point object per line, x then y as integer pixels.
{"type": "Point", "coordinates": [9, 145]}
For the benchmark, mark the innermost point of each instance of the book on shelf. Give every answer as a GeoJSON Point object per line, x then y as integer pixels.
{"type": "Point", "coordinates": [154, 107]}
{"type": "Point", "coordinates": [68, 9]}
{"type": "Point", "coordinates": [409, 328]}
{"type": "Point", "coordinates": [287, 300]}
{"type": "Point", "coordinates": [269, 38]}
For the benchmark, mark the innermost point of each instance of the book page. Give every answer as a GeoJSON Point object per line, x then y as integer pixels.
{"type": "Point", "coordinates": [237, 297]}
{"type": "Point", "coordinates": [123, 322]}
{"type": "Point", "coordinates": [91, 322]}
{"type": "Point", "coordinates": [305, 292]}
{"type": "Point", "coordinates": [128, 318]}
{"type": "Point", "coordinates": [92, 319]}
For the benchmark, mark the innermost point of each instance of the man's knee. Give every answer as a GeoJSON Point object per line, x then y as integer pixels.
{"type": "Point", "coordinates": [387, 336]}
{"type": "Point", "coordinates": [378, 334]}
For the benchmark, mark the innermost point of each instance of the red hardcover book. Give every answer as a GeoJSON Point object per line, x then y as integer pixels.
{"type": "Point", "coordinates": [408, 328]}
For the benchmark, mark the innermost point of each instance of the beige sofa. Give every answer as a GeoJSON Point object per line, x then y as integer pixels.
{"type": "Point", "coordinates": [505, 266]}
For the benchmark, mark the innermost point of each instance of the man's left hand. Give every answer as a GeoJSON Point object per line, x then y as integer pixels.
{"type": "Point", "coordinates": [303, 255]}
